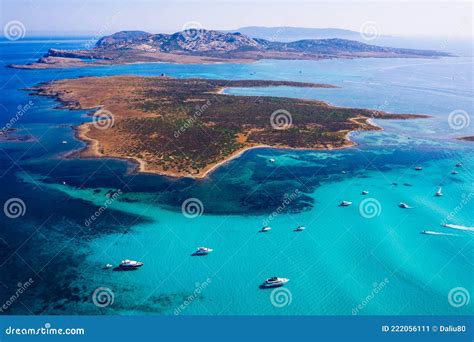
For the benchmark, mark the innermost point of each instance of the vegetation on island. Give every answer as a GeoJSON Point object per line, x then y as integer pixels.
{"type": "Point", "coordinates": [184, 127]}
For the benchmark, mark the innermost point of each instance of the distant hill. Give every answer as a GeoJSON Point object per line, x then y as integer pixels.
{"type": "Point", "coordinates": [219, 43]}
{"type": "Point", "coordinates": [288, 34]}
{"type": "Point", "coordinates": [209, 46]}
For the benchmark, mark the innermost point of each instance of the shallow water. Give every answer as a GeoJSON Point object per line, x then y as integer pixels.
{"type": "Point", "coordinates": [334, 265]}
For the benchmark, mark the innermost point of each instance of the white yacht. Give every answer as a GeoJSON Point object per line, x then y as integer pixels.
{"type": "Point", "coordinates": [345, 204]}
{"type": "Point", "coordinates": [439, 193]}
{"type": "Point", "coordinates": [265, 229]}
{"type": "Point", "coordinates": [418, 168]}
{"type": "Point", "coordinates": [272, 160]}
{"type": "Point", "coordinates": [365, 192]}
{"type": "Point", "coordinates": [203, 250]}
{"type": "Point", "coordinates": [275, 281]}
{"type": "Point", "coordinates": [130, 264]}
{"type": "Point", "coordinates": [107, 266]}
{"type": "Point", "coordinates": [300, 228]}
{"type": "Point", "coordinates": [404, 205]}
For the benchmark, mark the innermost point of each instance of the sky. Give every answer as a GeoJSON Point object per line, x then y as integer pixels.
{"type": "Point", "coordinates": [95, 17]}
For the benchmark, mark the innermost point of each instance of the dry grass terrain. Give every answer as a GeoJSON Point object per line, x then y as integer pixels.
{"type": "Point", "coordinates": [186, 127]}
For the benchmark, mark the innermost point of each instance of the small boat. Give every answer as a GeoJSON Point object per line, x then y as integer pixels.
{"type": "Point", "coordinates": [107, 266]}
{"type": "Point", "coordinates": [300, 228]}
{"type": "Point", "coordinates": [439, 193]}
{"type": "Point", "coordinates": [64, 142]}
{"type": "Point", "coordinates": [345, 204]}
{"type": "Point", "coordinates": [272, 160]}
{"type": "Point", "coordinates": [431, 232]}
{"type": "Point", "coordinates": [275, 281]}
{"type": "Point", "coordinates": [203, 251]}
{"type": "Point", "coordinates": [454, 172]}
{"type": "Point", "coordinates": [265, 229]}
{"type": "Point", "coordinates": [458, 164]}
{"type": "Point", "coordinates": [130, 264]}
{"type": "Point", "coordinates": [64, 183]}
{"type": "Point", "coordinates": [365, 192]}
{"type": "Point", "coordinates": [418, 168]}
{"type": "Point", "coordinates": [343, 172]}
{"type": "Point", "coordinates": [404, 205]}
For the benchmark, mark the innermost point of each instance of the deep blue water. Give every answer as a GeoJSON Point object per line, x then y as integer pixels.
{"type": "Point", "coordinates": [333, 265]}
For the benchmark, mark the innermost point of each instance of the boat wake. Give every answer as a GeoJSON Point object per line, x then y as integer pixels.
{"type": "Point", "coordinates": [430, 232]}
{"type": "Point", "coordinates": [458, 227]}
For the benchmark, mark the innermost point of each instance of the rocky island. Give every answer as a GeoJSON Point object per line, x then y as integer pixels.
{"type": "Point", "coordinates": [208, 46]}
{"type": "Point", "coordinates": [468, 138]}
{"type": "Point", "coordinates": [187, 127]}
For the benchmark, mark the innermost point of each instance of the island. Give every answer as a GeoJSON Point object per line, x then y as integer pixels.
{"type": "Point", "coordinates": [468, 138]}
{"type": "Point", "coordinates": [187, 127]}
{"type": "Point", "coordinates": [209, 46]}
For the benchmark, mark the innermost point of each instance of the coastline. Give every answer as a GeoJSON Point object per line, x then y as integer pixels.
{"type": "Point", "coordinates": [92, 150]}
{"type": "Point", "coordinates": [101, 145]}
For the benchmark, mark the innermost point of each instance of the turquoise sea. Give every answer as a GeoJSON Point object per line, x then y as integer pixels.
{"type": "Point", "coordinates": [366, 259]}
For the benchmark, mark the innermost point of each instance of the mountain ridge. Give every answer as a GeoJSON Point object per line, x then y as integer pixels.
{"type": "Point", "coordinates": [211, 46]}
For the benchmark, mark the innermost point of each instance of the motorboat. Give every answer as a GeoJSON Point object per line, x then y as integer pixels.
{"type": "Point", "coordinates": [345, 204]}
{"type": "Point", "coordinates": [458, 164]}
{"type": "Point", "coordinates": [203, 251]}
{"type": "Point", "coordinates": [365, 192]}
{"type": "Point", "coordinates": [431, 232]}
{"type": "Point", "coordinates": [300, 228]}
{"type": "Point", "coordinates": [454, 172]}
{"type": "Point", "coordinates": [418, 168]}
{"type": "Point", "coordinates": [130, 264]}
{"type": "Point", "coordinates": [107, 266]}
{"type": "Point", "coordinates": [439, 193]}
{"type": "Point", "coordinates": [64, 142]}
{"type": "Point", "coordinates": [404, 205]}
{"type": "Point", "coordinates": [275, 281]}
{"type": "Point", "coordinates": [343, 172]}
{"type": "Point", "coordinates": [265, 229]}
{"type": "Point", "coordinates": [272, 160]}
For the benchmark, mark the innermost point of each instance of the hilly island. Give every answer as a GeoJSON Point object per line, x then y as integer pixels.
{"type": "Point", "coordinates": [209, 46]}
{"type": "Point", "coordinates": [188, 127]}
